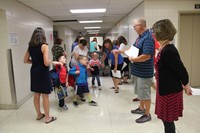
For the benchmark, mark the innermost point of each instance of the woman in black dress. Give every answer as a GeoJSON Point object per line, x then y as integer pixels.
{"type": "Point", "coordinates": [37, 55]}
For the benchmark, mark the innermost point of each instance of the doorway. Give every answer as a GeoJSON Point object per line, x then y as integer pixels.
{"type": "Point", "coordinates": [190, 45]}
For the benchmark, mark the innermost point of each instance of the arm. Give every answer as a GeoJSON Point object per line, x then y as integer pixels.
{"type": "Point", "coordinates": [103, 59]}
{"type": "Point", "coordinates": [116, 61]}
{"type": "Point", "coordinates": [27, 58]}
{"type": "Point", "coordinates": [141, 58]}
{"type": "Point", "coordinates": [73, 71]}
{"type": "Point", "coordinates": [45, 51]}
{"type": "Point", "coordinates": [56, 63]}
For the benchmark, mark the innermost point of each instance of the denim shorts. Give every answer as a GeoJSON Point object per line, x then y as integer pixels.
{"type": "Point", "coordinates": [143, 87]}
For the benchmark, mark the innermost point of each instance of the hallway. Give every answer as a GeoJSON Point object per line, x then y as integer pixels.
{"type": "Point", "coordinates": [112, 115]}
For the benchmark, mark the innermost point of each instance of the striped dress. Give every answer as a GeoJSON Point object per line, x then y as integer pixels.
{"type": "Point", "coordinates": [168, 107]}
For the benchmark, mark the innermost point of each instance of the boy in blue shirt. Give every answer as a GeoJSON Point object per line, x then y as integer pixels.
{"type": "Point", "coordinates": [81, 80]}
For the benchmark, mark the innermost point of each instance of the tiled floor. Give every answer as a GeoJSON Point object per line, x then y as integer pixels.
{"type": "Point", "coordinates": [112, 115]}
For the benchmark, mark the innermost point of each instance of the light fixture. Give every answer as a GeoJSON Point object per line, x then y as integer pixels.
{"type": "Point", "coordinates": [91, 21]}
{"type": "Point", "coordinates": [92, 27]}
{"type": "Point", "coordinates": [88, 10]}
{"type": "Point", "coordinates": [92, 30]}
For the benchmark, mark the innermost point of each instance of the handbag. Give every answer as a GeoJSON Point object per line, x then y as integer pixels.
{"type": "Point", "coordinates": [61, 92]}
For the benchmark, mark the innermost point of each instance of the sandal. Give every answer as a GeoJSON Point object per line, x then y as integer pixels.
{"type": "Point", "coordinates": [117, 91]}
{"type": "Point", "coordinates": [114, 88]}
{"type": "Point", "coordinates": [43, 115]}
{"type": "Point", "coordinates": [125, 82]}
{"type": "Point", "coordinates": [52, 119]}
{"type": "Point", "coordinates": [120, 83]}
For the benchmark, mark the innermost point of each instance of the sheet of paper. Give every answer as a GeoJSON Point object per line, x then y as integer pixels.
{"type": "Point", "coordinates": [195, 91]}
{"type": "Point", "coordinates": [117, 74]}
{"type": "Point", "coordinates": [132, 52]}
{"type": "Point", "coordinates": [124, 65]}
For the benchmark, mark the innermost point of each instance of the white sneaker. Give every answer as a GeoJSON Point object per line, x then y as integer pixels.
{"type": "Point", "coordinates": [63, 108]}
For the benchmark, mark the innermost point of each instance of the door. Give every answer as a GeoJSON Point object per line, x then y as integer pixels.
{"type": "Point", "coordinates": [190, 46]}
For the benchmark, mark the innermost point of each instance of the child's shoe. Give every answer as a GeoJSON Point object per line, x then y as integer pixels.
{"type": "Point", "coordinates": [99, 87]}
{"type": "Point", "coordinates": [82, 99]}
{"type": "Point", "coordinates": [63, 108]}
{"type": "Point", "coordinates": [93, 103]}
{"type": "Point", "coordinates": [75, 104]}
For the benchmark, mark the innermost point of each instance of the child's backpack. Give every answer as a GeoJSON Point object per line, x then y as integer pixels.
{"type": "Point", "coordinates": [71, 78]}
{"type": "Point", "coordinates": [54, 75]}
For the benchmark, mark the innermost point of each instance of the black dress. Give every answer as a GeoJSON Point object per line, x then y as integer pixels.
{"type": "Point", "coordinates": [40, 77]}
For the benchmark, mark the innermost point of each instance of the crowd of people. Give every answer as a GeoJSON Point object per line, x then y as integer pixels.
{"type": "Point", "coordinates": [171, 75]}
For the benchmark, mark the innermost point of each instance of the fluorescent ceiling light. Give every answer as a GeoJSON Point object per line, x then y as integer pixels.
{"type": "Point", "coordinates": [93, 33]}
{"type": "Point", "coordinates": [92, 27]}
{"type": "Point", "coordinates": [88, 10]}
{"type": "Point", "coordinates": [91, 21]}
{"type": "Point", "coordinates": [92, 30]}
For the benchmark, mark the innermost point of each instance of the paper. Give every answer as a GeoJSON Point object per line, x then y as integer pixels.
{"type": "Point", "coordinates": [195, 91]}
{"type": "Point", "coordinates": [124, 65]}
{"type": "Point", "coordinates": [117, 74]}
{"type": "Point", "coordinates": [132, 52]}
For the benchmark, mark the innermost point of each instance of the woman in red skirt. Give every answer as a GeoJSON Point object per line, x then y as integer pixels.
{"type": "Point", "coordinates": [171, 76]}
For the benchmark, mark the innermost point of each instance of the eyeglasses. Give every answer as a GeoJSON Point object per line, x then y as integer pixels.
{"type": "Point", "coordinates": [136, 25]}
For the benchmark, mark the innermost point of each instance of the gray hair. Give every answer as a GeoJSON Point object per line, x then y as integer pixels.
{"type": "Point", "coordinates": [140, 21]}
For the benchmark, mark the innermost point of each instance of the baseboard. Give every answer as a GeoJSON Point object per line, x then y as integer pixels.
{"type": "Point", "coordinates": [16, 106]}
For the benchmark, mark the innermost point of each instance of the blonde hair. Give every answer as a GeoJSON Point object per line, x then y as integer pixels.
{"type": "Point", "coordinates": [164, 30]}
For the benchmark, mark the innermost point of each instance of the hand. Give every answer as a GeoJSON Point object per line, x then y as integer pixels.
{"type": "Point", "coordinates": [102, 65]}
{"type": "Point", "coordinates": [92, 69]}
{"type": "Point", "coordinates": [66, 84]}
{"type": "Point", "coordinates": [188, 90]}
{"type": "Point", "coordinates": [115, 69]}
{"type": "Point", "coordinates": [77, 72]}
{"type": "Point", "coordinates": [115, 51]}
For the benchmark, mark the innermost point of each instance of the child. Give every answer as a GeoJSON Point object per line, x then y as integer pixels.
{"type": "Point", "coordinates": [60, 65]}
{"type": "Point", "coordinates": [95, 64]}
{"type": "Point", "coordinates": [81, 80]}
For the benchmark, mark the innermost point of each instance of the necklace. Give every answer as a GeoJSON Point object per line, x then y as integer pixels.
{"type": "Point", "coordinates": [164, 44]}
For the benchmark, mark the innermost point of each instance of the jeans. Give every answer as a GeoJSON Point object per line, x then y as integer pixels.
{"type": "Point", "coordinates": [98, 79]}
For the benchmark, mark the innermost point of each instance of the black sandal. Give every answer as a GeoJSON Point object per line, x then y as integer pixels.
{"type": "Point", "coordinates": [52, 119]}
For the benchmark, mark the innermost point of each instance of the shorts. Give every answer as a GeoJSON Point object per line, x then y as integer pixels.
{"type": "Point", "coordinates": [119, 67]}
{"type": "Point", "coordinates": [80, 90]}
{"type": "Point", "coordinates": [143, 87]}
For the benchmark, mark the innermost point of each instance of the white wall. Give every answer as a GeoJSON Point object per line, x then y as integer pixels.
{"type": "Point", "coordinates": [21, 21]}
{"type": "Point", "coordinates": [68, 37]}
{"type": "Point", "coordinates": [157, 10]}
{"type": "Point", "coordinates": [125, 26]}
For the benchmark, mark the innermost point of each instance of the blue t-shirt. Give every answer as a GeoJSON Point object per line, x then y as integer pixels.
{"type": "Point", "coordinates": [112, 58]}
{"type": "Point", "coordinates": [145, 43]}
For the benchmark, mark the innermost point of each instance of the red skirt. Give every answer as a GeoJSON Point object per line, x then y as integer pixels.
{"type": "Point", "coordinates": [169, 107]}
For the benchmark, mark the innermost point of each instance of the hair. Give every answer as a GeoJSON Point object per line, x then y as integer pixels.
{"type": "Point", "coordinates": [107, 40]}
{"type": "Point", "coordinates": [141, 21]}
{"type": "Point", "coordinates": [115, 42]}
{"type": "Point", "coordinates": [58, 41]}
{"type": "Point", "coordinates": [83, 42]}
{"type": "Point", "coordinates": [58, 57]}
{"type": "Point", "coordinates": [81, 57]}
{"type": "Point", "coordinates": [122, 39]}
{"type": "Point", "coordinates": [38, 37]}
{"type": "Point", "coordinates": [94, 54]}
{"type": "Point", "coordinates": [164, 30]}
{"type": "Point", "coordinates": [94, 39]}
{"type": "Point", "coordinates": [77, 38]}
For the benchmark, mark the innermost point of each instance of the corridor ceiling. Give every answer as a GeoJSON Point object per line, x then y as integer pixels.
{"type": "Point", "coordinates": [60, 10]}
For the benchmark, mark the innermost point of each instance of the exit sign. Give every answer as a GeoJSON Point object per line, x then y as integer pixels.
{"type": "Point", "coordinates": [197, 6]}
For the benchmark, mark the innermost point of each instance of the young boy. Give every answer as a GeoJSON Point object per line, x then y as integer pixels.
{"type": "Point", "coordinates": [81, 80]}
{"type": "Point", "coordinates": [60, 66]}
{"type": "Point", "coordinates": [95, 64]}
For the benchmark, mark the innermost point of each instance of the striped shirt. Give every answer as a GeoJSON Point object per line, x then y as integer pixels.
{"type": "Point", "coordinates": [145, 44]}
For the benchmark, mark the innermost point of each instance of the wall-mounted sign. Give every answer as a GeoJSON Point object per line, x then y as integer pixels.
{"type": "Point", "coordinates": [197, 6]}
{"type": "Point", "coordinates": [13, 39]}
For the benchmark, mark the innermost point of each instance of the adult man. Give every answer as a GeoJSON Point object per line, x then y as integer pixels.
{"type": "Point", "coordinates": [142, 69]}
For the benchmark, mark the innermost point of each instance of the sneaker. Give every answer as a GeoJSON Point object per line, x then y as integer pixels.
{"type": "Point", "coordinates": [63, 108]}
{"type": "Point", "coordinates": [75, 104]}
{"type": "Point", "coordinates": [99, 87]}
{"type": "Point", "coordinates": [138, 111]}
{"type": "Point", "coordinates": [93, 103]}
{"type": "Point", "coordinates": [82, 99]}
{"type": "Point", "coordinates": [143, 118]}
